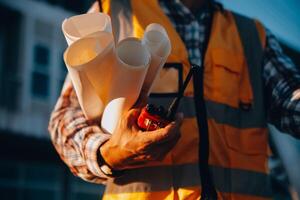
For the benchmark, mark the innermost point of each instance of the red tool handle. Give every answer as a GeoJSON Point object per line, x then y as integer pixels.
{"type": "Point", "coordinates": [152, 118]}
{"type": "Point", "coordinates": [150, 122]}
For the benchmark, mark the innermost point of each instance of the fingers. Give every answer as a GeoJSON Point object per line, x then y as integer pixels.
{"type": "Point", "coordinates": [137, 164]}
{"type": "Point", "coordinates": [296, 95]}
{"type": "Point", "coordinates": [165, 134]}
{"type": "Point", "coordinates": [156, 153]}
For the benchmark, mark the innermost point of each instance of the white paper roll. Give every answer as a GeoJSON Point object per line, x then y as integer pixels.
{"type": "Point", "coordinates": [80, 26]}
{"type": "Point", "coordinates": [107, 79]}
{"type": "Point", "coordinates": [91, 61]}
{"type": "Point", "coordinates": [133, 60]}
{"type": "Point", "coordinates": [157, 41]}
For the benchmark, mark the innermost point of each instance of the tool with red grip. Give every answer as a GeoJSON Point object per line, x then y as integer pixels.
{"type": "Point", "coordinates": [154, 117]}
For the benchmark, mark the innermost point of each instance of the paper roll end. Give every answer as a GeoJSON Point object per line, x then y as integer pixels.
{"type": "Point", "coordinates": [112, 114]}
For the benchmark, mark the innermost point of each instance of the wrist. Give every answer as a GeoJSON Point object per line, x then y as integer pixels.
{"type": "Point", "coordinates": [106, 167]}
{"type": "Point", "coordinates": [106, 153]}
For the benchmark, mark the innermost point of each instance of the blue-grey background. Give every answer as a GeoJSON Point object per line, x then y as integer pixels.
{"type": "Point", "coordinates": [31, 75]}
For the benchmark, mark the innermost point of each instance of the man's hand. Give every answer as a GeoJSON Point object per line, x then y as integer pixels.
{"type": "Point", "coordinates": [296, 95]}
{"type": "Point", "coordinates": [129, 146]}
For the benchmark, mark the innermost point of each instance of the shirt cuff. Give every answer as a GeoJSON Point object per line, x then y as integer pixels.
{"type": "Point", "coordinates": [92, 150]}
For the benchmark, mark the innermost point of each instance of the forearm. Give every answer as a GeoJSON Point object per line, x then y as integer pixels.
{"type": "Point", "coordinates": [282, 79]}
{"type": "Point", "coordinates": [285, 113]}
{"type": "Point", "coordinates": [76, 139]}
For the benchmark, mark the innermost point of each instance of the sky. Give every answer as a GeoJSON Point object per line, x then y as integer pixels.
{"type": "Point", "coordinates": [282, 17]}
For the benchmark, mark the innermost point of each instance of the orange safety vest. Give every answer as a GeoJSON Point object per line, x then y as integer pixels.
{"type": "Point", "coordinates": [233, 93]}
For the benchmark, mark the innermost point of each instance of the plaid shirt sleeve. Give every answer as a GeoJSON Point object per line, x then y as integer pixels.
{"type": "Point", "coordinates": [282, 78]}
{"type": "Point", "coordinates": [76, 139]}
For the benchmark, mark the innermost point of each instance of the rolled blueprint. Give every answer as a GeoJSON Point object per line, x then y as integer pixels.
{"type": "Point", "coordinates": [108, 80]}
{"type": "Point", "coordinates": [79, 26]}
{"type": "Point", "coordinates": [132, 61]}
{"type": "Point", "coordinates": [157, 41]}
{"type": "Point", "coordinates": [90, 62]}
{"type": "Point", "coordinates": [79, 56]}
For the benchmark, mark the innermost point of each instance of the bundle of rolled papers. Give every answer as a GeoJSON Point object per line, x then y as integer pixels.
{"type": "Point", "coordinates": [108, 78]}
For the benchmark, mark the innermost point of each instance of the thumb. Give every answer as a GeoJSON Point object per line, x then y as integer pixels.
{"type": "Point", "coordinates": [132, 115]}
{"type": "Point", "coordinates": [296, 95]}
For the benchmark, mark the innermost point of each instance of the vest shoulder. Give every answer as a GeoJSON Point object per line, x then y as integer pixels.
{"type": "Point", "coordinates": [245, 20]}
{"type": "Point", "coordinates": [241, 16]}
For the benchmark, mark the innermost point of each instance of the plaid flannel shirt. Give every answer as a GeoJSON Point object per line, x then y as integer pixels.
{"type": "Point", "coordinates": [77, 140]}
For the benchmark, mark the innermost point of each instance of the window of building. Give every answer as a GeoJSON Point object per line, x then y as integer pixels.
{"type": "Point", "coordinates": [36, 181]}
{"type": "Point", "coordinates": [30, 181]}
{"type": "Point", "coordinates": [10, 82]}
{"type": "Point", "coordinates": [40, 74]}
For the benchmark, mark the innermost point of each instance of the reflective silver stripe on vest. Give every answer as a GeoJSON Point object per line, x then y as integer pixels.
{"type": "Point", "coordinates": [241, 182]}
{"type": "Point", "coordinates": [186, 104]}
{"type": "Point", "coordinates": [221, 113]}
{"type": "Point", "coordinates": [238, 118]}
{"type": "Point", "coordinates": [166, 178]}
{"type": "Point", "coordinates": [121, 18]}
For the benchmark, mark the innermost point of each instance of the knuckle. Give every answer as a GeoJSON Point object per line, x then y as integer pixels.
{"type": "Point", "coordinates": [169, 129]}
{"type": "Point", "coordinates": [146, 143]}
{"type": "Point", "coordinates": [150, 157]}
{"type": "Point", "coordinates": [165, 132]}
{"type": "Point", "coordinates": [142, 149]}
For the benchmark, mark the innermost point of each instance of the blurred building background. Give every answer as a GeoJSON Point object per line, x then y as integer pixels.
{"type": "Point", "coordinates": [32, 73]}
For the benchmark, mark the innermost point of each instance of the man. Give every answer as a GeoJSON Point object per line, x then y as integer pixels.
{"type": "Point", "coordinates": [219, 150]}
